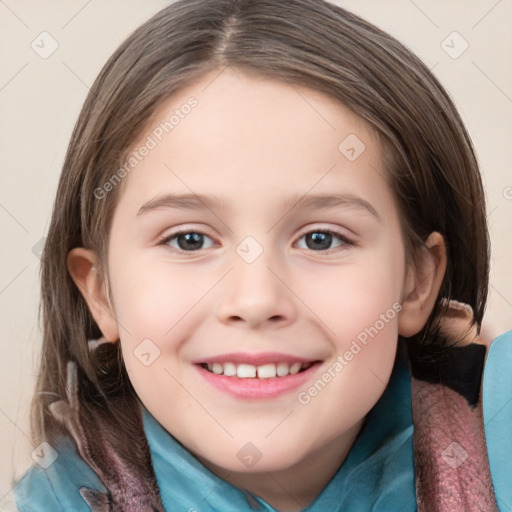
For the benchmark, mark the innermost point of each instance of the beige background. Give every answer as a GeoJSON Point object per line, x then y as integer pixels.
{"type": "Point", "coordinates": [40, 100]}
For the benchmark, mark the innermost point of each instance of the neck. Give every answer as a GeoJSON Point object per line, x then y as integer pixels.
{"type": "Point", "coordinates": [296, 487]}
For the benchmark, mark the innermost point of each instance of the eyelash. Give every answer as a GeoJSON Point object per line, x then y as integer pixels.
{"type": "Point", "coordinates": [346, 242]}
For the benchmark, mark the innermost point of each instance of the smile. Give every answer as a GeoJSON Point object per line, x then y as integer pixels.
{"type": "Point", "coordinates": [248, 371]}
{"type": "Point", "coordinates": [257, 376]}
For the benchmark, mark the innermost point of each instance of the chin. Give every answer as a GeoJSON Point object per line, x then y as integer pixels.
{"type": "Point", "coordinates": [250, 459]}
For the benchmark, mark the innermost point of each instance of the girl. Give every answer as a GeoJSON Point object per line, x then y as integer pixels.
{"type": "Point", "coordinates": [264, 279]}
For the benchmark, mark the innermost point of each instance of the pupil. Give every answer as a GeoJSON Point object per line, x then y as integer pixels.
{"type": "Point", "coordinates": [320, 241]}
{"type": "Point", "coordinates": [192, 241]}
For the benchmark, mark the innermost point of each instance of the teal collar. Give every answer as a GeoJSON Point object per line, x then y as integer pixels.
{"type": "Point", "coordinates": [378, 473]}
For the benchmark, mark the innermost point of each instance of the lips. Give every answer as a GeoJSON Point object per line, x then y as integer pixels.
{"type": "Point", "coordinates": [250, 376]}
{"type": "Point", "coordinates": [263, 365]}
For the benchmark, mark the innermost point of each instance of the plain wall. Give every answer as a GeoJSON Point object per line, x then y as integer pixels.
{"type": "Point", "coordinates": [40, 99]}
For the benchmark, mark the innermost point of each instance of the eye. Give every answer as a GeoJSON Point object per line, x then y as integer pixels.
{"type": "Point", "coordinates": [316, 240]}
{"type": "Point", "coordinates": [321, 240]}
{"type": "Point", "coordinates": [187, 241]}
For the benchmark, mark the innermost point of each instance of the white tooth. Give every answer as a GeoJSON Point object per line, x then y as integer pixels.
{"type": "Point", "coordinates": [217, 368]}
{"type": "Point", "coordinates": [245, 371]}
{"type": "Point", "coordinates": [267, 371]}
{"type": "Point", "coordinates": [294, 368]}
{"type": "Point", "coordinates": [229, 369]}
{"type": "Point", "coordinates": [283, 369]}
{"type": "Point", "coordinates": [210, 366]}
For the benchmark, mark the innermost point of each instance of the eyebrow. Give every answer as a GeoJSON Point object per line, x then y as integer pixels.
{"type": "Point", "coordinates": [208, 202]}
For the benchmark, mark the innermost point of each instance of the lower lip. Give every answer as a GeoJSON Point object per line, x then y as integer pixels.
{"type": "Point", "coordinates": [254, 388]}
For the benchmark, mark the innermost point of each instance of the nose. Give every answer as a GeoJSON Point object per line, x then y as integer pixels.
{"type": "Point", "coordinates": [257, 294]}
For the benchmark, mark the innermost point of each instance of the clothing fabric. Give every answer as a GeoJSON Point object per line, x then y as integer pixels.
{"type": "Point", "coordinates": [378, 475]}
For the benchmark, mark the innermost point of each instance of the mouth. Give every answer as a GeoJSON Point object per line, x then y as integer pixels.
{"type": "Point", "coordinates": [250, 371]}
{"type": "Point", "coordinates": [257, 377]}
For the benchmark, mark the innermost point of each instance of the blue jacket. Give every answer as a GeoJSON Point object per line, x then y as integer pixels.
{"type": "Point", "coordinates": [378, 474]}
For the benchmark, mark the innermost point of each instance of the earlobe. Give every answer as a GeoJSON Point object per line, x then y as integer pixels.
{"type": "Point", "coordinates": [81, 265]}
{"type": "Point", "coordinates": [422, 286]}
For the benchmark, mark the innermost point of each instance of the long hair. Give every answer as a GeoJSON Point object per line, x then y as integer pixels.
{"type": "Point", "coordinates": [428, 154]}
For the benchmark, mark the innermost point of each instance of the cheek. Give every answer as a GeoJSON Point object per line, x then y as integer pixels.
{"type": "Point", "coordinates": [154, 304]}
{"type": "Point", "coordinates": [353, 296]}
{"type": "Point", "coordinates": [359, 305]}
{"type": "Point", "coordinates": [153, 298]}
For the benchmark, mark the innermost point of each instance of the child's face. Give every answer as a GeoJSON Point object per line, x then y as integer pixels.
{"type": "Point", "coordinates": [250, 282]}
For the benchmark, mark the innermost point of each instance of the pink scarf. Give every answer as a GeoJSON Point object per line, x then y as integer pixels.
{"type": "Point", "coordinates": [450, 455]}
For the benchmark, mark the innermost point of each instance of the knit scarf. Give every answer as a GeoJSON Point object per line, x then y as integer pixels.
{"type": "Point", "coordinates": [450, 455]}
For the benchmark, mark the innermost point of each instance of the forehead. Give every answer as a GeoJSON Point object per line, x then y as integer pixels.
{"type": "Point", "coordinates": [248, 138]}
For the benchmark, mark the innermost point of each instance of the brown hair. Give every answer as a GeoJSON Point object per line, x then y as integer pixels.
{"type": "Point", "coordinates": [430, 159]}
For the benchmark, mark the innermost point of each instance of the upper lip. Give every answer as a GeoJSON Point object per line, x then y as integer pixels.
{"type": "Point", "coordinates": [255, 359]}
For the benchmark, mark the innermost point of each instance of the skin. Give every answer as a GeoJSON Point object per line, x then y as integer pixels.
{"type": "Point", "coordinates": [255, 142]}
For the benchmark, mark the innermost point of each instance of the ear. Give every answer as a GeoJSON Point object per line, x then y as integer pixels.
{"type": "Point", "coordinates": [422, 286]}
{"type": "Point", "coordinates": [82, 267]}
